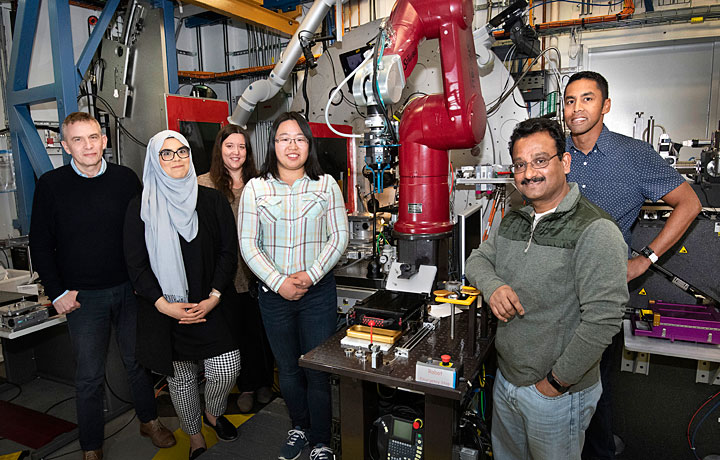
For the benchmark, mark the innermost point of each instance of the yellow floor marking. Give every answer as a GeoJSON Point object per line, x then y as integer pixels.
{"type": "Point", "coordinates": [182, 448]}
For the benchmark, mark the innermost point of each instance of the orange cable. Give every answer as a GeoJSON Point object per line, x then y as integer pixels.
{"type": "Point", "coordinates": [492, 215]}
{"type": "Point", "coordinates": [627, 11]}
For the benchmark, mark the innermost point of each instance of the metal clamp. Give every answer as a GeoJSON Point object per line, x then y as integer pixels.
{"type": "Point", "coordinates": [404, 351]}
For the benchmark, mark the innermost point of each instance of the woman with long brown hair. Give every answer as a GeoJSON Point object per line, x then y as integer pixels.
{"type": "Point", "coordinates": [232, 166]}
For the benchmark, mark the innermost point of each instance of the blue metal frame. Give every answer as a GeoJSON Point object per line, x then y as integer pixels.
{"type": "Point", "coordinates": [63, 60]}
{"type": "Point", "coordinates": [170, 48]}
{"type": "Point", "coordinates": [284, 5]}
{"type": "Point", "coordinates": [203, 19]}
{"type": "Point", "coordinates": [30, 156]}
{"type": "Point", "coordinates": [95, 38]}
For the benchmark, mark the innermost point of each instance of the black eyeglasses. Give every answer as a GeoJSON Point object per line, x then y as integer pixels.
{"type": "Point", "coordinates": [537, 163]}
{"type": "Point", "coordinates": [169, 155]}
{"type": "Point", "coordinates": [287, 140]}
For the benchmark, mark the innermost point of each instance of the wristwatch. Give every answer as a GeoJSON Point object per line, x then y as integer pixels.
{"type": "Point", "coordinates": [555, 384]}
{"type": "Point", "coordinates": [215, 293]}
{"type": "Point", "coordinates": [649, 253]}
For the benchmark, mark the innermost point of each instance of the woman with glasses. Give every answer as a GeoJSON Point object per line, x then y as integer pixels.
{"type": "Point", "coordinates": [181, 253]}
{"type": "Point", "coordinates": [293, 229]}
{"type": "Point", "coordinates": [232, 166]}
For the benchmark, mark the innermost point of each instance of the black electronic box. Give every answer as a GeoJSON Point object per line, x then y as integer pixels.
{"type": "Point", "coordinates": [387, 310]}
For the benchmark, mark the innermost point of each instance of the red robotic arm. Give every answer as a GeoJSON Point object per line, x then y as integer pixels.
{"type": "Point", "coordinates": [432, 125]}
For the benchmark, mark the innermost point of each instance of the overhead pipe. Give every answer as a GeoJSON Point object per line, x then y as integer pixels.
{"type": "Point", "coordinates": [265, 89]}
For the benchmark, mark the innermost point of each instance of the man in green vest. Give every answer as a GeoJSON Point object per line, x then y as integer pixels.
{"type": "Point", "coordinates": [554, 274]}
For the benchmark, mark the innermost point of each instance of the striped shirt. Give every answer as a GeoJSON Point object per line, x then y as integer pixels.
{"type": "Point", "coordinates": [286, 229]}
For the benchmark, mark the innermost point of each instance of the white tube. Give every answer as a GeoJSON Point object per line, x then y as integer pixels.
{"type": "Point", "coordinates": [338, 21]}
{"type": "Point", "coordinates": [334, 93]}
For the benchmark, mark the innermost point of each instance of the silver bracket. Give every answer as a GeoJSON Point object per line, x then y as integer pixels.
{"type": "Point", "coordinates": [635, 362]}
{"type": "Point", "coordinates": [707, 372]}
{"type": "Point", "coordinates": [404, 351]}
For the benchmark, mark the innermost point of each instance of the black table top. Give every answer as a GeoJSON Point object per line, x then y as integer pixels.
{"type": "Point", "coordinates": [400, 372]}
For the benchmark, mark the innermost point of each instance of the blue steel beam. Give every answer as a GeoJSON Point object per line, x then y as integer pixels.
{"type": "Point", "coordinates": [170, 50]}
{"type": "Point", "coordinates": [95, 38]}
{"type": "Point", "coordinates": [66, 88]}
{"type": "Point", "coordinates": [29, 138]}
{"type": "Point", "coordinates": [30, 157]}
{"type": "Point", "coordinates": [24, 176]}
{"type": "Point", "coordinates": [284, 5]}
{"type": "Point", "coordinates": [25, 25]}
{"type": "Point", "coordinates": [38, 94]}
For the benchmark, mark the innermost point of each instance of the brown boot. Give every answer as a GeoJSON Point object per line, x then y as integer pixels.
{"type": "Point", "coordinates": [93, 454]}
{"type": "Point", "coordinates": [158, 434]}
{"type": "Point", "coordinates": [246, 401]}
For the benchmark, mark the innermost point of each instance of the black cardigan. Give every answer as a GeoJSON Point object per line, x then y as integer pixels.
{"type": "Point", "coordinates": [210, 261]}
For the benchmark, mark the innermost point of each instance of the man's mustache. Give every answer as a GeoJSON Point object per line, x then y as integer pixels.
{"type": "Point", "coordinates": [533, 179]}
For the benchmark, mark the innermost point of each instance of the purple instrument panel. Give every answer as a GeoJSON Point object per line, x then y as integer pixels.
{"type": "Point", "coordinates": [691, 323]}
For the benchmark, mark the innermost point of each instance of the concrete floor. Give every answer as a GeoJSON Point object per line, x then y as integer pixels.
{"type": "Point", "coordinates": [261, 435]}
{"type": "Point", "coordinates": [122, 433]}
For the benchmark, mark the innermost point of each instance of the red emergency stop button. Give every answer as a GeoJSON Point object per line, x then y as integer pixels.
{"type": "Point", "coordinates": [416, 425]}
{"type": "Point", "coordinates": [445, 359]}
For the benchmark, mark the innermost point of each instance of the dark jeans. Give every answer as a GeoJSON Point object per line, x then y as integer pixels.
{"type": "Point", "coordinates": [89, 328]}
{"type": "Point", "coordinates": [599, 440]}
{"type": "Point", "coordinates": [294, 328]}
{"type": "Point", "coordinates": [257, 367]}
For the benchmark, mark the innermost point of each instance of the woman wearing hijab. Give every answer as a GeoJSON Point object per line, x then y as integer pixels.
{"type": "Point", "coordinates": [232, 166]}
{"type": "Point", "coordinates": [181, 253]}
{"type": "Point", "coordinates": [293, 230]}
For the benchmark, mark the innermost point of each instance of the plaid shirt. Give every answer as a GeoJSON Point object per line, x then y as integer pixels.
{"type": "Point", "coordinates": [285, 229]}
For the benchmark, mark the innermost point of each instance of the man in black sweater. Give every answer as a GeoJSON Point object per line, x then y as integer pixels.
{"type": "Point", "coordinates": [77, 247]}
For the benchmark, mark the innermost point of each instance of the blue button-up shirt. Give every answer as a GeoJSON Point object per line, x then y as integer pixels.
{"type": "Point", "coordinates": [619, 174]}
{"type": "Point", "coordinates": [103, 167]}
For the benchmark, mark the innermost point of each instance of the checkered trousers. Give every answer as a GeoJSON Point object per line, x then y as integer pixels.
{"type": "Point", "coordinates": [220, 374]}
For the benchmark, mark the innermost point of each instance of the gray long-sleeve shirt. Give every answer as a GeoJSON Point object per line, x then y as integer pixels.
{"type": "Point", "coordinates": [570, 276]}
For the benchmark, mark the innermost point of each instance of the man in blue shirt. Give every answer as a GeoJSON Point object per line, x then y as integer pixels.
{"type": "Point", "coordinates": [619, 173]}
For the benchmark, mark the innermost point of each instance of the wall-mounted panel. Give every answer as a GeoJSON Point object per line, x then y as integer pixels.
{"type": "Point", "coordinates": [673, 83]}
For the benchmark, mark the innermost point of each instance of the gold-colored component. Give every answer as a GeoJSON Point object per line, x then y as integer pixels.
{"type": "Point", "coordinates": [442, 292]}
{"type": "Point", "coordinates": [470, 299]}
{"type": "Point", "coordinates": [250, 11]}
{"type": "Point", "coordinates": [469, 290]}
{"type": "Point", "coordinates": [656, 319]}
{"type": "Point", "coordinates": [378, 334]}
